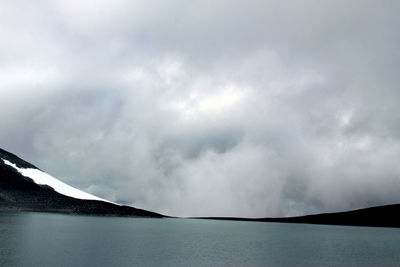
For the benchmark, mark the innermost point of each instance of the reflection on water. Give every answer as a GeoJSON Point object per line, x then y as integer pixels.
{"type": "Point", "coordinates": [38, 239]}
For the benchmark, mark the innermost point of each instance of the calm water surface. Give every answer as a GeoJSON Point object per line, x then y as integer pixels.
{"type": "Point", "coordinates": [39, 239]}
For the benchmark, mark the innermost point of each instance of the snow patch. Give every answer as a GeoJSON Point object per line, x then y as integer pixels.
{"type": "Point", "coordinates": [42, 178]}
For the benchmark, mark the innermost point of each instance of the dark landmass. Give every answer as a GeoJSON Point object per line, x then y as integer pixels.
{"type": "Point", "coordinates": [380, 216]}
{"type": "Point", "coordinates": [20, 193]}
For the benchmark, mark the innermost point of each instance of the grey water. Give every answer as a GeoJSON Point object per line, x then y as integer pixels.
{"type": "Point", "coordinates": [40, 239]}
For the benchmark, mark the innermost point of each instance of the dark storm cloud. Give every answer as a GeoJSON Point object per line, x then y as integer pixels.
{"type": "Point", "coordinates": [243, 108]}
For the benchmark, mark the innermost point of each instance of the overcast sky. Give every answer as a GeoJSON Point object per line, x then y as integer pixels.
{"type": "Point", "coordinates": [200, 108]}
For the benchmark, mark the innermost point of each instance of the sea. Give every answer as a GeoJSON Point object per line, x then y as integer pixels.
{"type": "Point", "coordinates": [44, 239]}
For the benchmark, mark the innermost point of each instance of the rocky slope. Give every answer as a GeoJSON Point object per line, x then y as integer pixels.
{"type": "Point", "coordinates": [22, 193]}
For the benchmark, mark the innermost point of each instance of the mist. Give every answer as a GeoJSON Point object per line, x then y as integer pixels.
{"type": "Point", "coordinates": [243, 108]}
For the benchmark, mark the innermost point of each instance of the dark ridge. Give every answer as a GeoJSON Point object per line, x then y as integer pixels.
{"type": "Point", "coordinates": [16, 160]}
{"type": "Point", "coordinates": [380, 216]}
{"type": "Point", "coordinates": [20, 193]}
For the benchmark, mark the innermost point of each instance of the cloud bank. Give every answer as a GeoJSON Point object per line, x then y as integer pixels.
{"type": "Point", "coordinates": [202, 108]}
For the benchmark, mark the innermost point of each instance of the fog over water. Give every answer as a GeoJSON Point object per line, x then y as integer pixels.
{"type": "Point", "coordinates": [201, 108]}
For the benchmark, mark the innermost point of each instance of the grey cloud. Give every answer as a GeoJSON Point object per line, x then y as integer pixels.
{"type": "Point", "coordinates": [245, 108]}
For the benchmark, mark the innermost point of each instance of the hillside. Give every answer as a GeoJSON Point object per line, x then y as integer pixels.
{"type": "Point", "coordinates": [380, 216]}
{"type": "Point", "coordinates": [21, 193]}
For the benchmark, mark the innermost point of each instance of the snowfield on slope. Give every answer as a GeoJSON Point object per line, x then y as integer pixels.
{"type": "Point", "coordinates": [42, 178]}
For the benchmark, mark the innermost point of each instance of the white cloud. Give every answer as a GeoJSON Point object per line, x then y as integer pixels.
{"type": "Point", "coordinates": [249, 108]}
